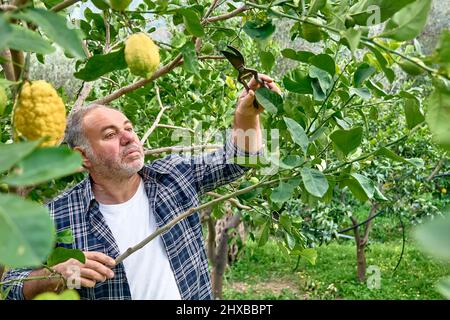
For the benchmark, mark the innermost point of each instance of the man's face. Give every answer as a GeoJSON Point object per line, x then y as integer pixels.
{"type": "Point", "coordinates": [116, 149]}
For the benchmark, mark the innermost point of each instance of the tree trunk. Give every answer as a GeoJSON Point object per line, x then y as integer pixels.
{"type": "Point", "coordinates": [219, 253]}
{"type": "Point", "coordinates": [361, 259]}
{"type": "Point", "coordinates": [361, 243]}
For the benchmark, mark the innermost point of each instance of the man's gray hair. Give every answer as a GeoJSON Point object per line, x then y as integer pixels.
{"type": "Point", "coordinates": [74, 135]}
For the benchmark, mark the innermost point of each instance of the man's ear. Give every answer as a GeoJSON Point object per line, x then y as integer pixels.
{"type": "Point", "coordinates": [86, 162]}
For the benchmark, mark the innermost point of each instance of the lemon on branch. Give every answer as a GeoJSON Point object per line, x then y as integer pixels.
{"type": "Point", "coordinates": [39, 112]}
{"type": "Point", "coordinates": [141, 55]}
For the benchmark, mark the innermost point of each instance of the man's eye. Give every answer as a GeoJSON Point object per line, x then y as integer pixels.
{"type": "Point", "coordinates": [129, 129]}
{"type": "Point", "coordinates": [109, 135]}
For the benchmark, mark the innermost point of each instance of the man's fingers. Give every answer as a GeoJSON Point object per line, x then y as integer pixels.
{"type": "Point", "coordinates": [272, 86]}
{"type": "Point", "coordinates": [248, 99]}
{"type": "Point", "coordinates": [100, 257]}
{"type": "Point", "coordinates": [92, 275]}
{"type": "Point", "coordinates": [253, 84]}
{"type": "Point", "coordinates": [87, 283]}
{"type": "Point", "coordinates": [100, 268]}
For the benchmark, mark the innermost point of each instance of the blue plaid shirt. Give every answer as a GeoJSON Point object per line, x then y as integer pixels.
{"type": "Point", "coordinates": [173, 185]}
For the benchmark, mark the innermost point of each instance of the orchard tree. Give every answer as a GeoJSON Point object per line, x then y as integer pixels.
{"type": "Point", "coordinates": [179, 86]}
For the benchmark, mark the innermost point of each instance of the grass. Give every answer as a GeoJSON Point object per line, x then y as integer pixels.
{"type": "Point", "coordinates": [266, 273]}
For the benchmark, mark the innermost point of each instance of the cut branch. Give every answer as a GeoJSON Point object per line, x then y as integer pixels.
{"type": "Point", "coordinates": [163, 229]}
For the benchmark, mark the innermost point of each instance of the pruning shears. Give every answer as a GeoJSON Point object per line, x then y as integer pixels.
{"type": "Point", "coordinates": [238, 62]}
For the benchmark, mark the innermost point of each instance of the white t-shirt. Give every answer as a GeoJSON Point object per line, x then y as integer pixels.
{"type": "Point", "coordinates": [148, 270]}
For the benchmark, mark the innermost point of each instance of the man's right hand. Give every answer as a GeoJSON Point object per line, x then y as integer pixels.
{"type": "Point", "coordinates": [97, 268]}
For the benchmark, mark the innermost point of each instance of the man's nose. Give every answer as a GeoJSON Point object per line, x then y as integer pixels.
{"type": "Point", "coordinates": [126, 137]}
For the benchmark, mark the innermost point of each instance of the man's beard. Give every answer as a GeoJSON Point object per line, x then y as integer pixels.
{"type": "Point", "coordinates": [110, 168]}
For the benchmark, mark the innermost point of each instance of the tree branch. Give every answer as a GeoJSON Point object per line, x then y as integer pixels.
{"type": "Point", "coordinates": [192, 210]}
{"type": "Point", "coordinates": [178, 149]}
{"type": "Point", "coordinates": [373, 210]}
{"type": "Point", "coordinates": [158, 117]}
{"type": "Point", "coordinates": [210, 9]}
{"type": "Point", "coordinates": [120, 92]}
{"type": "Point", "coordinates": [437, 168]}
{"type": "Point", "coordinates": [7, 66]}
{"type": "Point", "coordinates": [63, 5]}
{"type": "Point", "coordinates": [356, 230]}
{"type": "Point", "coordinates": [168, 126]}
{"type": "Point", "coordinates": [226, 15]}
{"type": "Point", "coordinates": [233, 201]}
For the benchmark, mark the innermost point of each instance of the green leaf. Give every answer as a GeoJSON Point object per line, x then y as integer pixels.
{"type": "Point", "coordinates": [324, 80]}
{"type": "Point", "coordinates": [23, 39]}
{"type": "Point", "coordinates": [365, 13]}
{"type": "Point", "coordinates": [269, 100]}
{"type": "Point", "coordinates": [442, 53]}
{"type": "Point", "coordinates": [26, 232]}
{"type": "Point", "coordinates": [353, 36]}
{"type": "Point", "coordinates": [55, 27]}
{"type": "Point", "coordinates": [310, 255]}
{"type": "Point", "coordinates": [315, 6]}
{"type": "Point", "coordinates": [192, 22]}
{"type": "Point", "coordinates": [302, 56]}
{"type": "Point", "coordinates": [296, 81]}
{"type": "Point", "coordinates": [51, 3]}
{"type": "Point", "coordinates": [267, 60]}
{"type": "Point", "coordinates": [190, 61]}
{"type": "Point", "coordinates": [412, 112]}
{"type": "Point", "coordinates": [388, 72]}
{"type": "Point", "coordinates": [362, 73]}
{"type": "Point", "coordinates": [45, 164]}
{"type": "Point", "coordinates": [408, 22]}
{"type": "Point", "coordinates": [379, 196]}
{"type": "Point", "coordinates": [64, 236]}
{"type": "Point", "coordinates": [361, 92]}
{"type": "Point", "coordinates": [264, 236]}
{"type": "Point", "coordinates": [61, 254]}
{"type": "Point", "coordinates": [444, 287]}
{"type": "Point", "coordinates": [101, 4]}
{"type": "Point", "coordinates": [282, 193]}
{"type": "Point", "coordinates": [318, 93]}
{"type": "Point", "coordinates": [101, 64]}
{"type": "Point", "coordinates": [383, 151]}
{"type": "Point", "coordinates": [6, 32]}
{"type": "Point", "coordinates": [347, 140]}
{"type": "Point", "coordinates": [365, 183]}
{"type": "Point", "coordinates": [438, 114]}
{"type": "Point", "coordinates": [11, 153]}
{"type": "Point", "coordinates": [285, 221]}
{"type": "Point", "coordinates": [434, 237]}
{"type": "Point", "coordinates": [259, 31]}
{"type": "Point", "coordinates": [324, 62]}
{"type": "Point", "coordinates": [297, 133]}
{"type": "Point", "coordinates": [69, 294]}
{"type": "Point", "coordinates": [315, 182]}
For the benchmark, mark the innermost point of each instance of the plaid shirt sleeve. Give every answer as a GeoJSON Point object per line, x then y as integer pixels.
{"type": "Point", "coordinates": [15, 289]}
{"type": "Point", "coordinates": [212, 170]}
